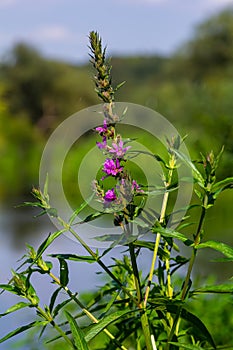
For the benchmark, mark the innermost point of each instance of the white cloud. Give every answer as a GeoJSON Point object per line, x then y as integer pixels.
{"type": "Point", "coordinates": [51, 33]}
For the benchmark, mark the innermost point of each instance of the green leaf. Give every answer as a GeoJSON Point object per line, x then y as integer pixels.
{"type": "Point", "coordinates": [194, 320]}
{"type": "Point", "coordinates": [90, 217]}
{"type": "Point", "coordinates": [166, 232]}
{"type": "Point", "coordinates": [53, 298]}
{"type": "Point", "coordinates": [219, 246]}
{"type": "Point", "coordinates": [219, 288]}
{"type": "Point", "coordinates": [79, 209]}
{"type": "Point", "coordinates": [140, 222]}
{"type": "Point", "coordinates": [197, 175]}
{"type": "Point", "coordinates": [22, 329]}
{"type": "Point", "coordinates": [45, 192]}
{"type": "Point", "coordinates": [186, 346]}
{"type": "Point", "coordinates": [64, 272]}
{"type": "Point", "coordinates": [9, 288]}
{"type": "Point", "coordinates": [15, 307]}
{"type": "Point", "coordinates": [222, 184]}
{"type": "Point", "coordinates": [60, 306]}
{"type": "Point", "coordinates": [74, 257]}
{"type": "Point", "coordinates": [48, 241]}
{"type": "Point", "coordinates": [77, 333]}
{"type": "Point", "coordinates": [105, 322]}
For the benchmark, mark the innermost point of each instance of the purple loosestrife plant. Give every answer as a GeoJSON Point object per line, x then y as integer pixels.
{"type": "Point", "coordinates": [143, 310]}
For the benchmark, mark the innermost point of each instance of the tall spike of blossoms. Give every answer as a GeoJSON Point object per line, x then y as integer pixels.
{"type": "Point", "coordinates": [103, 85]}
{"type": "Point", "coordinates": [113, 147]}
{"type": "Point", "coordinates": [112, 144]}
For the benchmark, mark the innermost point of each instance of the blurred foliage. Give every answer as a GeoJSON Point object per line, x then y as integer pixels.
{"type": "Point", "coordinates": [192, 88]}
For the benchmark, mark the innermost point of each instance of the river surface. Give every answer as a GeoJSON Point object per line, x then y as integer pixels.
{"type": "Point", "coordinates": [17, 227]}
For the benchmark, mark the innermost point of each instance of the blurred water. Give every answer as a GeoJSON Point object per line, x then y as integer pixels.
{"type": "Point", "coordinates": [17, 227]}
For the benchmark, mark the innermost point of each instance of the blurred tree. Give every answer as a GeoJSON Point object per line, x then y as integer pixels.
{"type": "Point", "coordinates": [47, 91]}
{"type": "Point", "coordinates": [20, 149]}
{"type": "Point", "coordinates": [211, 50]}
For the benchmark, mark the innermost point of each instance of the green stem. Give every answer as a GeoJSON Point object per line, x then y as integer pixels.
{"type": "Point", "coordinates": [194, 253]}
{"type": "Point", "coordinates": [58, 329]}
{"type": "Point", "coordinates": [97, 259]}
{"type": "Point", "coordinates": [146, 330]}
{"type": "Point", "coordinates": [158, 237]}
{"type": "Point", "coordinates": [87, 313]}
{"type": "Point", "coordinates": [185, 287]}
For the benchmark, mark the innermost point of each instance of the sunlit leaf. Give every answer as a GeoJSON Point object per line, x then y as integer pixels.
{"type": "Point", "coordinates": [77, 333]}
{"type": "Point", "coordinates": [105, 322]}
{"type": "Point", "coordinates": [219, 246]}
{"type": "Point", "coordinates": [15, 307]}
{"type": "Point", "coordinates": [223, 183]}
{"type": "Point", "coordinates": [219, 288]}
{"type": "Point", "coordinates": [166, 232]}
{"type": "Point", "coordinates": [9, 288]}
{"type": "Point", "coordinates": [47, 242]}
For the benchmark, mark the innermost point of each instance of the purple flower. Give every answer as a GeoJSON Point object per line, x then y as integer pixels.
{"type": "Point", "coordinates": [136, 187]}
{"type": "Point", "coordinates": [112, 167]}
{"type": "Point", "coordinates": [110, 195]}
{"type": "Point", "coordinates": [118, 149]}
{"type": "Point", "coordinates": [102, 145]}
{"type": "Point", "coordinates": [102, 129]}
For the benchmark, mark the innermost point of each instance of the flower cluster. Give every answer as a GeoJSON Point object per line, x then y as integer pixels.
{"type": "Point", "coordinates": [115, 150]}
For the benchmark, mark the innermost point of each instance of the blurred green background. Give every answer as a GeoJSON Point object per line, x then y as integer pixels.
{"type": "Point", "coordinates": [193, 89]}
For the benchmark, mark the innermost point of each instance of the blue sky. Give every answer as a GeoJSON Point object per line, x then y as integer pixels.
{"type": "Point", "coordinates": [59, 28]}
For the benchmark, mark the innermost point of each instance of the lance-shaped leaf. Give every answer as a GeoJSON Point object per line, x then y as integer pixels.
{"type": "Point", "coordinates": [166, 232]}
{"type": "Point", "coordinates": [105, 322]}
{"type": "Point", "coordinates": [196, 173]}
{"type": "Point", "coordinates": [194, 320]}
{"type": "Point", "coordinates": [60, 306]}
{"type": "Point", "coordinates": [225, 288]}
{"type": "Point", "coordinates": [77, 333]}
{"type": "Point", "coordinates": [48, 241]}
{"type": "Point", "coordinates": [9, 288]}
{"type": "Point", "coordinates": [15, 307]}
{"type": "Point", "coordinates": [23, 329]}
{"type": "Point", "coordinates": [176, 308]}
{"type": "Point", "coordinates": [79, 209]}
{"type": "Point", "coordinates": [53, 299]}
{"type": "Point", "coordinates": [74, 257]}
{"type": "Point", "coordinates": [219, 246]}
{"type": "Point", "coordinates": [224, 184]}
{"type": "Point", "coordinates": [90, 217]}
